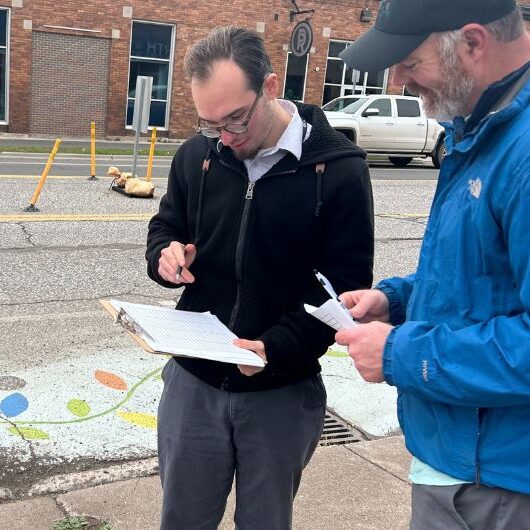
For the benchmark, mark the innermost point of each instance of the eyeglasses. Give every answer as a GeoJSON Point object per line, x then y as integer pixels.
{"type": "Point", "coordinates": [235, 128]}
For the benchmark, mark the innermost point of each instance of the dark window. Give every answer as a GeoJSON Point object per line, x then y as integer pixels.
{"type": "Point", "coordinates": [295, 77]}
{"type": "Point", "coordinates": [335, 48]}
{"type": "Point", "coordinates": [334, 71]}
{"type": "Point", "coordinates": [151, 46]}
{"type": "Point", "coordinates": [408, 108]}
{"type": "Point", "coordinates": [384, 105]}
{"type": "Point", "coordinates": [3, 62]}
{"type": "Point", "coordinates": [342, 80]}
{"type": "Point", "coordinates": [151, 40]}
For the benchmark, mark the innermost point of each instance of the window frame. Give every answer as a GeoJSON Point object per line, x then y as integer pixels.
{"type": "Point", "coordinates": [169, 61]}
{"type": "Point", "coordinates": [7, 48]}
{"type": "Point", "coordinates": [353, 87]}
{"type": "Point", "coordinates": [305, 75]}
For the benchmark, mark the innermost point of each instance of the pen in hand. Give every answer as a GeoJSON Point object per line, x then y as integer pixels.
{"type": "Point", "coordinates": [179, 267]}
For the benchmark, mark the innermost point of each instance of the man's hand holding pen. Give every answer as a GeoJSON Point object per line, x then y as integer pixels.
{"type": "Point", "coordinates": [175, 261]}
{"type": "Point", "coordinates": [366, 343]}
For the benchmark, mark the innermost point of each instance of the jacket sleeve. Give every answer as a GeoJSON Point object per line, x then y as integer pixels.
{"type": "Point", "coordinates": [398, 291]}
{"type": "Point", "coordinates": [482, 365]}
{"type": "Point", "coordinates": [344, 255]}
{"type": "Point", "coordinates": [170, 223]}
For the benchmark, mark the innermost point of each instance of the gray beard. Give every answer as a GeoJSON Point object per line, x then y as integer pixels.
{"type": "Point", "coordinates": [452, 98]}
{"type": "Point", "coordinates": [454, 103]}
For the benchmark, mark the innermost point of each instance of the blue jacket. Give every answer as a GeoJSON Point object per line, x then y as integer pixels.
{"type": "Point", "coordinates": [460, 354]}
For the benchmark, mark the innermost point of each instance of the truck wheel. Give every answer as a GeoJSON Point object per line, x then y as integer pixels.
{"type": "Point", "coordinates": [400, 161]}
{"type": "Point", "coordinates": [438, 154]}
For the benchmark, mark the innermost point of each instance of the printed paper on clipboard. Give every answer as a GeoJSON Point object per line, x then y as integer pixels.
{"type": "Point", "coordinates": [184, 333]}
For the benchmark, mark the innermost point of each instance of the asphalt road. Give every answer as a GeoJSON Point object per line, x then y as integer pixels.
{"type": "Point", "coordinates": [32, 164]}
{"type": "Point", "coordinates": [74, 390]}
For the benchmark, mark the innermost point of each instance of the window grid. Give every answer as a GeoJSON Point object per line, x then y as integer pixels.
{"type": "Point", "coordinates": [349, 86]}
{"type": "Point", "coordinates": [156, 102]}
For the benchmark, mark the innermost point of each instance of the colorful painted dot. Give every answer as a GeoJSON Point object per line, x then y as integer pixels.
{"type": "Point", "coordinates": [13, 405]}
{"type": "Point", "coordinates": [110, 380]}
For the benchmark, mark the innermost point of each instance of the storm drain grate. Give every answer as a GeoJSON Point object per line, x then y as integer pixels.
{"type": "Point", "coordinates": [337, 431]}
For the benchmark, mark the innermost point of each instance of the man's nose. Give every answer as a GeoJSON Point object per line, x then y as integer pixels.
{"type": "Point", "coordinates": [399, 77]}
{"type": "Point", "coordinates": [227, 138]}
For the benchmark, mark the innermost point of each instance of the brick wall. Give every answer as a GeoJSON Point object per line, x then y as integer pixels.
{"type": "Point", "coordinates": [105, 23]}
{"type": "Point", "coordinates": [69, 84]}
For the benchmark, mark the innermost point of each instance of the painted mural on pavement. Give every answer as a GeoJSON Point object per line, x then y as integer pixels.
{"type": "Point", "coordinates": [104, 405]}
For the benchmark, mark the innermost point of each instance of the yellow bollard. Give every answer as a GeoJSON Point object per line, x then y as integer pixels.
{"type": "Point", "coordinates": [92, 151]}
{"type": "Point", "coordinates": [35, 198]}
{"type": "Point", "coordinates": [151, 155]}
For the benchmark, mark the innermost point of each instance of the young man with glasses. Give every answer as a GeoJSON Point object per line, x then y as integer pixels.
{"type": "Point", "coordinates": [264, 196]}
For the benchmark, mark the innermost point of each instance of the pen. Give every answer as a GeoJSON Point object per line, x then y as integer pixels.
{"type": "Point", "coordinates": [179, 267]}
{"type": "Point", "coordinates": [327, 285]}
{"type": "Point", "coordinates": [329, 288]}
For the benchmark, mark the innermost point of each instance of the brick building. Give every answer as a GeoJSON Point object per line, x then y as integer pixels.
{"type": "Point", "coordinates": [65, 64]}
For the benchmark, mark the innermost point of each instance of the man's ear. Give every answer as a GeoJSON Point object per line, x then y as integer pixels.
{"type": "Point", "coordinates": [475, 40]}
{"type": "Point", "coordinates": [271, 86]}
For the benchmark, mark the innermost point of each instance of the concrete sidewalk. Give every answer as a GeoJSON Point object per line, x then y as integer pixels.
{"type": "Point", "coordinates": [360, 486]}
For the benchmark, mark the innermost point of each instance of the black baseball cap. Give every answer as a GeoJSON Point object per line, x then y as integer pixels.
{"type": "Point", "coordinates": [402, 25]}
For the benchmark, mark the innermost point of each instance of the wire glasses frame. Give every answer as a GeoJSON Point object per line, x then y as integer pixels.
{"type": "Point", "coordinates": [234, 128]}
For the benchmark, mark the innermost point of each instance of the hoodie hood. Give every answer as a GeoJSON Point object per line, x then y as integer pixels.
{"type": "Point", "coordinates": [324, 142]}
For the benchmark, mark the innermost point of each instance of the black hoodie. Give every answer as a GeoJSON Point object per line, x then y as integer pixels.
{"type": "Point", "coordinates": [258, 246]}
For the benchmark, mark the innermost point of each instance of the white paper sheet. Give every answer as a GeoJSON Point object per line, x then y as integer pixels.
{"type": "Point", "coordinates": [185, 333]}
{"type": "Point", "coordinates": [332, 313]}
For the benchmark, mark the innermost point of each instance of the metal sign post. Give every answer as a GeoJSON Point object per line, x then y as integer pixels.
{"type": "Point", "coordinates": [142, 107]}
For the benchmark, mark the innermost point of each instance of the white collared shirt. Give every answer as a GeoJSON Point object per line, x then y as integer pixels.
{"type": "Point", "coordinates": [290, 141]}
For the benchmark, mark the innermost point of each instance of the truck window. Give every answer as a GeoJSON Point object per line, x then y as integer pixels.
{"type": "Point", "coordinates": [408, 108]}
{"type": "Point", "coordinates": [384, 105]}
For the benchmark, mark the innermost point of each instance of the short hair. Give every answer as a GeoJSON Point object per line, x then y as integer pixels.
{"type": "Point", "coordinates": [509, 27]}
{"type": "Point", "coordinates": [505, 29]}
{"type": "Point", "coordinates": [229, 43]}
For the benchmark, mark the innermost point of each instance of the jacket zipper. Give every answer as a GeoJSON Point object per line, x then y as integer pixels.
{"type": "Point", "coordinates": [480, 416]}
{"type": "Point", "coordinates": [239, 251]}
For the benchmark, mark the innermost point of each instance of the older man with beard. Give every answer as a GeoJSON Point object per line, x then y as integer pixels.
{"type": "Point", "coordinates": [454, 337]}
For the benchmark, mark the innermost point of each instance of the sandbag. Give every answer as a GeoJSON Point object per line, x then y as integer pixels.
{"type": "Point", "coordinates": [139, 188]}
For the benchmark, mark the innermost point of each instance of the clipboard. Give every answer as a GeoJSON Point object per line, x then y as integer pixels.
{"type": "Point", "coordinates": [115, 315]}
{"type": "Point", "coordinates": [181, 333]}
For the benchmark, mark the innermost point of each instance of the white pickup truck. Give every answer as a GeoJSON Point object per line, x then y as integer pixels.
{"type": "Point", "coordinates": [394, 126]}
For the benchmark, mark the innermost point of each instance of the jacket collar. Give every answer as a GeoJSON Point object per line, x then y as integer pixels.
{"type": "Point", "coordinates": [498, 96]}
{"type": "Point", "coordinates": [501, 101]}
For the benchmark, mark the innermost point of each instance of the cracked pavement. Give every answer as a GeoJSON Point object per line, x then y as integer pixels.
{"type": "Point", "coordinates": [56, 338]}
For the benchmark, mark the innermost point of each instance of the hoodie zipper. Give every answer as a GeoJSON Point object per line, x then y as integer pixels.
{"type": "Point", "coordinates": [241, 243]}
{"type": "Point", "coordinates": [239, 251]}
{"type": "Point", "coordinates": [243, 232]}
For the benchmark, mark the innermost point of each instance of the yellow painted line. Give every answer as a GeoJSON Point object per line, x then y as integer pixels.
{"type": "Point", "coordinates": [59, 177]}
{"type": "Point", "coordinates": [36, 217]}
{"type": "Point", "coordinates": [38, 177]}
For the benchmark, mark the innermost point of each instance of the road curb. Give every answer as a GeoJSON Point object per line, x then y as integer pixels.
{"type": "Point", "coordinates": [87, 479]}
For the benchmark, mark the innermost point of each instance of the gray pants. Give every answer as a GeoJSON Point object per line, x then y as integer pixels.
{"type": "Point", "coordinates": [205, 435]}
{"type": "Point", "coordinates": [466, 507]}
